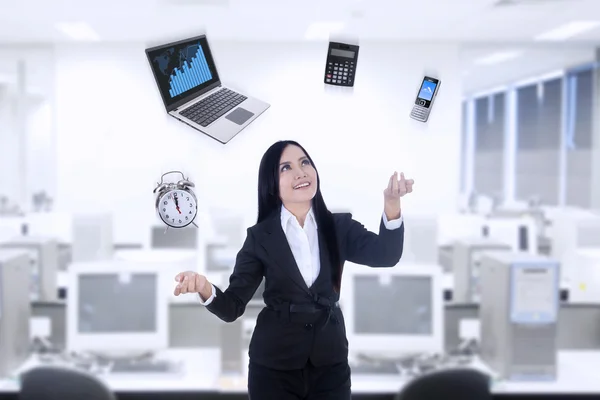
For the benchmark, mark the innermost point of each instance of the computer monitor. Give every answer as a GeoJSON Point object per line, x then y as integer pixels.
{"type": "Point", "coordinates": [420, 240]}
{"type": "Point", "coordinates": [43, 253]}
{"type": "Point", "coordinates": [15, 310]}
{"type": "Point", "coordinates": [93, 238]}
{"type": "Point", "coordinates": [172, 262]}
{"type": "Point", "coordinates": [573, 230]}
{"type": "Point", "coordinates": [519, 233]}
{"type": "Point", "coordinates": [394, 311]}
{"type": "Point", "coordinates": [455, 226]}
{"type": "Point", "coordinates": [185, 238]}
{"type": "Point", "coordinates": [117, 307]}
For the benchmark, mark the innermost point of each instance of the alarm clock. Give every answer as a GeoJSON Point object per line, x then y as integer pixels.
{"type": "Point", "coordinates": [176, 203]}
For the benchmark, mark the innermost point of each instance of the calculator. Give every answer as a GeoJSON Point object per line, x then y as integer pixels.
{"type": "Point", "coordinates": [340, 67]}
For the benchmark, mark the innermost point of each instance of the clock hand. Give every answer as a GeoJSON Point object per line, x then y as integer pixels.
{"type": "Point", "coordinates": [176, 203]}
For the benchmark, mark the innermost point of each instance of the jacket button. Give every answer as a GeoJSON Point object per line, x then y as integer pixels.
{"type": "Point", "coordinates": [308, 326]}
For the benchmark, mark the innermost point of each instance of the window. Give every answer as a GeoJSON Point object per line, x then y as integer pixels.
{"type": "Point", "coordinates": [489, 145]}
{"type": "Point", "coordinates": [463, 148]}
{"type": "Point", "coordinates": [579, 137]}
{"type": "Point", "coordinates": [539, 141]}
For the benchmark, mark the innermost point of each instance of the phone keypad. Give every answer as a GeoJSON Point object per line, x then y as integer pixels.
{"type": "Point", "coordinates": [419, 113]}
{"type": "Point", "coordinates": [340, 73]}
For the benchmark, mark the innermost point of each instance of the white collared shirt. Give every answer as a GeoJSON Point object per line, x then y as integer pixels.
{"type": "Point", "coordinates": [304, 243]}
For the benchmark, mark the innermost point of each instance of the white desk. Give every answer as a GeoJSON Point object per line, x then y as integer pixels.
{"type": "Point", "coordinates": [201, 373]}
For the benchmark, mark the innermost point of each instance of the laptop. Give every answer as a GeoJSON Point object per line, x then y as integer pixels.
{"type": "Point", "coordinates": [192, 92]}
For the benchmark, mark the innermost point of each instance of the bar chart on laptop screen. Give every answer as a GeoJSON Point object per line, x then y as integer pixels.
{"type": "Point", "coordinates": [192, 70]}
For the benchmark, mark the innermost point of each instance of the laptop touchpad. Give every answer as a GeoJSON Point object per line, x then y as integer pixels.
{"type": "Point", "coordinates": [239, 115]}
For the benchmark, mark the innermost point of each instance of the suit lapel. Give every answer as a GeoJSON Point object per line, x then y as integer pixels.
{"type": "Point", "coordinates": [323, 257]}
{"type": "Point", "coordinates": [276, 245]}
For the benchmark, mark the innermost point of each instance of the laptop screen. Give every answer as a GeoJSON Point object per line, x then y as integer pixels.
{"type": "Point", "coordinates": [182, 69]}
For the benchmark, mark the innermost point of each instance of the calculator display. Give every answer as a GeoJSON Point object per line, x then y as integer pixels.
{"type": "Point", "coordinates": [343, 53]}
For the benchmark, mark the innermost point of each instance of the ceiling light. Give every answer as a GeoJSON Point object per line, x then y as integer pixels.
{"type": "Point", "coordinates": [78, 31]}
{"type": "Point", "coordinates": [568, 30]}
{"type": "Point", "coordinates": [323, 30]}
{"type": "Point", "coordinates": [497, 58]}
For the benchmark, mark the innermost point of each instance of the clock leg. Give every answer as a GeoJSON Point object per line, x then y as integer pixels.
{"type": "Point", "coordinates": [193, 223]}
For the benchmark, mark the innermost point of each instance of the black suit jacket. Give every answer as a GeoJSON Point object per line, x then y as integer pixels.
{"type": "Point", "coordinates": [288, 340]}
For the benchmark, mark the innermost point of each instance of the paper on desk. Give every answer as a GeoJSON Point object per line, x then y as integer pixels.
{"type": "Point", "coordinates": [469, 329]}
{"type": "Point", "coordinates": [40, 327]}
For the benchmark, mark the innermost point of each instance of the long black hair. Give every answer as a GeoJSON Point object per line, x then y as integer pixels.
{"type": "Point", "coordinates": [270, 202]}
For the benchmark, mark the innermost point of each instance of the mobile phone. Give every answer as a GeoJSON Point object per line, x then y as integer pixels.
{"type": "Point", "coordinates": [425, 98]}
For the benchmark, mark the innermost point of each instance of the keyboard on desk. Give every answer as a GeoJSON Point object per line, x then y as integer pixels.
{"type": "Point", "coordinates": [380, 368]}
{"type": "Point", "coordinates": [140, 366]}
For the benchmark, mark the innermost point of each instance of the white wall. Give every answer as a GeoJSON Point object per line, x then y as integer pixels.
{"type": "Point", "coordinates": [9, 159]}
{"type": "Point", "coordinates": [34, 118]}
{"type": "Point", "coordinates": [114, 138]}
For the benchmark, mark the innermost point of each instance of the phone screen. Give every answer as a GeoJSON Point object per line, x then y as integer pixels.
{"type": "Point", "coordinates": [426, 92]}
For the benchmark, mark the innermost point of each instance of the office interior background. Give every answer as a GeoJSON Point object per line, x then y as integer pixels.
{"type": "Point", "coordinates": [509, 161]}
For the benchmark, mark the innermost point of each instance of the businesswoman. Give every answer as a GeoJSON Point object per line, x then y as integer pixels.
{"type": "Point", "coordinates": [299, 348]}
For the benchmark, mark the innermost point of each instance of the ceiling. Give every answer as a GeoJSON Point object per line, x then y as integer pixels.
{"type": "Point", "coordinates": [532, 61]}
{"type": "Point", "coordinates": [480, 26]}
{"type": "Point", "coordinates": [529, 62]}
{"type": "Point", "coordinates": [468, 21]}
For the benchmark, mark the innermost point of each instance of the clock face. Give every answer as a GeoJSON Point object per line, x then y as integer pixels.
{"type": "Point", "coordinates": [177, 208]}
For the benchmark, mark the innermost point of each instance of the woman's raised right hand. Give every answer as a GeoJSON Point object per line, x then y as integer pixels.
{"type": "Point", "coordinates": [192, 282]}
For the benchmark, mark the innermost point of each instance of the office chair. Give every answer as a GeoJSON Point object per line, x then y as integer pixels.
{"type": "Point", "coordinates": [454, 383]}
{"type": "Point", "coordinates": [59, 383]}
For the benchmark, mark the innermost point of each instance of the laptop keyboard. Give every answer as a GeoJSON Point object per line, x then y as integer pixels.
{"type": "Point", "coordinates": [212, 107]}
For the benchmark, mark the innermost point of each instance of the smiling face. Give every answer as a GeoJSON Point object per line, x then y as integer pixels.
{"type": "Point", "coordinates": [297, 177]}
